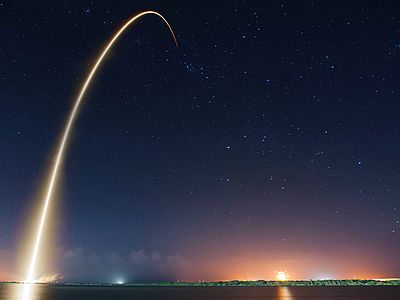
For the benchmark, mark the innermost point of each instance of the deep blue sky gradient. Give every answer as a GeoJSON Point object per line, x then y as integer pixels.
{"type": "Point", "coordinates": [270, 141]}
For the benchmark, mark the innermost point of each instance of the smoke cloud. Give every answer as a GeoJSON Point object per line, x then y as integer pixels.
{"type": "Point", "coordinates": [138, 266]}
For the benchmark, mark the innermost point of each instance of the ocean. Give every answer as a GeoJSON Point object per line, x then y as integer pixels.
{"type": "Point", "coordinates": [9, 291]}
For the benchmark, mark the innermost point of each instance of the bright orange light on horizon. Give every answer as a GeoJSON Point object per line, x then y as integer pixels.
{"type": "Point", "coordinates": [281, 275]}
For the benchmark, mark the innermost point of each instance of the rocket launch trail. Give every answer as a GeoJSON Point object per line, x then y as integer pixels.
{"type": "Point", "coordinates": [30, 277]}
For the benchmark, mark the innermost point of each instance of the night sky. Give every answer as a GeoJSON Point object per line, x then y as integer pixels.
{"type": "Point", "coordinates": [270, 141]}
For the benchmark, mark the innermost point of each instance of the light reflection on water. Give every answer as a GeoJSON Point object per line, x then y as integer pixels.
{"type": "Point", "coordinates": [10, 291]}
{"type": "Point", "coordinates": [284, 293]}
{"type": "Point", "coordinates": [26, 290]}
{"type": "Point", "coordinates": [16, 291]}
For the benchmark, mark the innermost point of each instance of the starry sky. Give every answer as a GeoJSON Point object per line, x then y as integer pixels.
{"type": "Point", "coordinates": [270, 141]}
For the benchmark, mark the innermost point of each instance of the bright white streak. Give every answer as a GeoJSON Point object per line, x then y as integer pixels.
{"type": "Point", "coordinates": [29, 278]}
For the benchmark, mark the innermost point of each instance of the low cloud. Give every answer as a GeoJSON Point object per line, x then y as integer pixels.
{"type": "Point", "coordinates": [139, 266]}
{"type": "Point", "coordinates": [139, 258]}
{"type": "Point", "coordinates": [113, 259]}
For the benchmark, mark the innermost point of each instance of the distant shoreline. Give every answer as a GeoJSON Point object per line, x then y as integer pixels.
{"type": "Point", "coordinates": [329, 282]}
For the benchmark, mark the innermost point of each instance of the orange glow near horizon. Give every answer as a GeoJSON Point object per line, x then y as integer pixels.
{"type": "Point", "coordinates": [281, 275]}
{"type": "Point", "coordinates": [30, 277]}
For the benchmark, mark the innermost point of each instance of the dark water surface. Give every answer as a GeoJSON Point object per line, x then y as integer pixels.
{"type": "Point", "coordinates": [10, 291]}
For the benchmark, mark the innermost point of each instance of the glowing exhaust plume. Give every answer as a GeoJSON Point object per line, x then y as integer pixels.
{"type": "Point", "coordinates": [29, 278]}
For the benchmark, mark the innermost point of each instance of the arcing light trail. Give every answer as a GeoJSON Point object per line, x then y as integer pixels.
{"type": "Point", "coordinates": [29, 278]}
